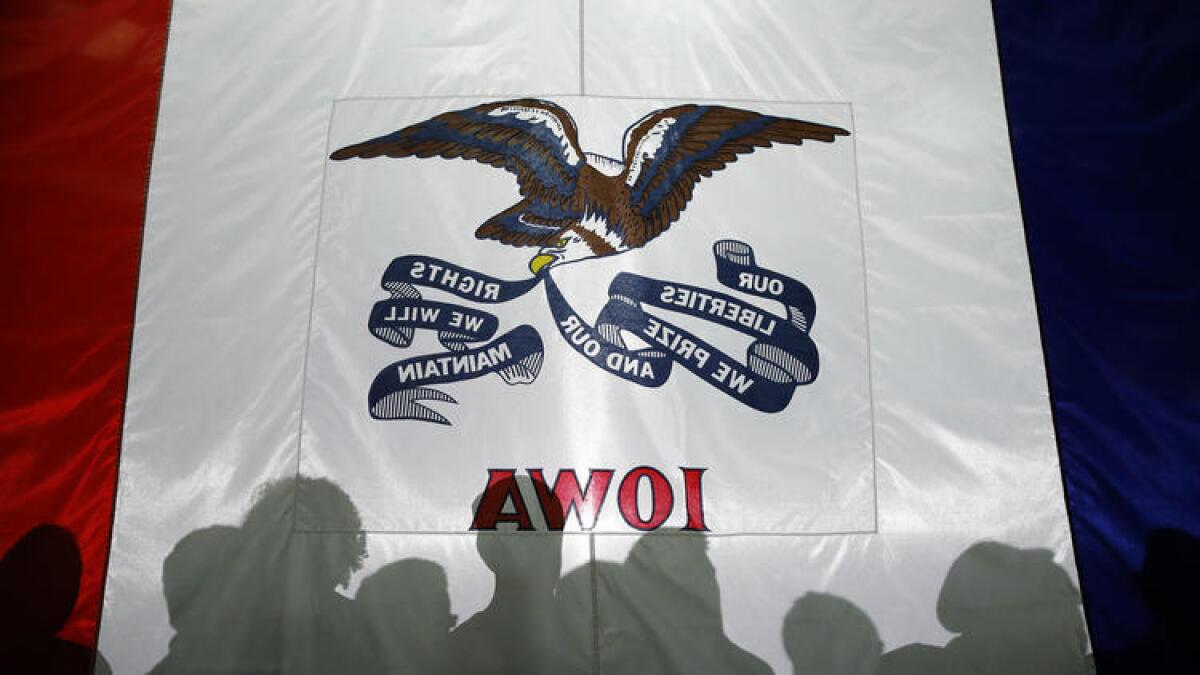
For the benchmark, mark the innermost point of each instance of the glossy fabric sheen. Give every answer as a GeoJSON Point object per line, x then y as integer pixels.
{"type": "Point", "coordinates": [80, 85]}
{"type": "Point", "coordinates": [250, 309]}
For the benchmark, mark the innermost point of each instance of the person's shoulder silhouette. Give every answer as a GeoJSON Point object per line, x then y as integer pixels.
{"type": "Point", "coordinates": [589, 632]}
{"type": "Point", "coordinates": [39, 582]}
{"type": "Point", "coordinates": [667, 590]}
{"type": "Point", "coordinates": [261, 597]}
{"type": "Point", "coordinates": [519, 630]}
{"type": "Point", "coordinates": [915, 659]}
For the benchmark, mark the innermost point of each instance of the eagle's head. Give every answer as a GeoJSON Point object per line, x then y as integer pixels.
{"type": "Point", "coordinates": [570, 248]}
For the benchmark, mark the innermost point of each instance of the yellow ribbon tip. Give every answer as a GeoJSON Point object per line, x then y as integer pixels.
{"type": "Point", "coordinates": [540, 261]}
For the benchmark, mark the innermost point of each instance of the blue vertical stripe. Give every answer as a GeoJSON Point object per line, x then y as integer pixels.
{"type": "Point", "coordinates": [1104, 110]}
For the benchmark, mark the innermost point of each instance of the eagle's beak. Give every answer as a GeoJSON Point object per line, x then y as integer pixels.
{"type": "Point", "coordinates": [541, 261]}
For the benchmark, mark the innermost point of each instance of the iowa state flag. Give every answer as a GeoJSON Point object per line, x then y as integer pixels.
{"type": "Point", "coordinates": [558, 337]}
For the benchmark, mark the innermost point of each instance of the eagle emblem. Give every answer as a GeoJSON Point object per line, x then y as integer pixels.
{"type": "Point", "coordinates": [577, 205]}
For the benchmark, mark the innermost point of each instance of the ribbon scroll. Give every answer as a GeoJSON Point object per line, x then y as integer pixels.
{"type": "Point", "coordinates": [398, 390]}
{"type": "Point", "coordinates": [780, 357]}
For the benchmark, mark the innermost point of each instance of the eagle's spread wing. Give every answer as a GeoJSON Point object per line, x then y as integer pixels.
{"type": "Point", "coordinates": [668, 151]}
{"type": "Point", "coordinates": [535, 140]}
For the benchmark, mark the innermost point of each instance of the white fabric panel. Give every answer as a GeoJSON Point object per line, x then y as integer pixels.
{"type": "Point", "coordinates": [237, 313]}
{"type": "Point", "coordinates": [796, 206]}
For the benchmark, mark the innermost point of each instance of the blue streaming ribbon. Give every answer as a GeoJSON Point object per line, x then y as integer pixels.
{"type": "Point", "coordinates": [781, 357]}
{"type": "Point", "coordinates": [398, 390]}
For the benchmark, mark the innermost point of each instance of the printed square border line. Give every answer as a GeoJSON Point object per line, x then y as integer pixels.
{"type": "Point", "coordinates": [701, 100]}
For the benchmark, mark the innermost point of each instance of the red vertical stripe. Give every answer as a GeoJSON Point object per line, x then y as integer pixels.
{"type": "Point", "coordinates": [80, 86]}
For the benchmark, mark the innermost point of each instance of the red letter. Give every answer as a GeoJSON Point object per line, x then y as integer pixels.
{"type": "Point", "coordinates": [661, 495]}
{"type": "Point", "coordinates": [694, 498]}
{"type": "Point", "coordinates": [566, 496]}
{"type": "Point", "coordinates": [501, 487]}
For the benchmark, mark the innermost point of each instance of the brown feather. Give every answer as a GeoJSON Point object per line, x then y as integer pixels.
{"type": "Point", "coordinates": [710, 127]}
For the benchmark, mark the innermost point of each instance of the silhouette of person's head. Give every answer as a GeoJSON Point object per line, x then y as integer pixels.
{"type": "Point", "coordinates": [827, 635]}
{"type": "Point", "coordinates": [39, 584]}
{"type": "Point", "coordinates": [412, 594]}
{"type": "Point", "coordinates": [673, 566]}
{"type": "Point", "coordinates": [301, 502]}
{"type": "Point", "coordinates": [518, 632]}
{"type": "Point", "coordinates": [192, 569]}
{"type": "Point", "coordinates": [529, 559]}
{"type": "Point", "coordinates": [1016, 610]}
{"type": "Point", "coordinates": [39, 581]}
{"type": "Point", "coordinates": [261, 597]}
{"type": "Point", "coordinates": [405, 606]}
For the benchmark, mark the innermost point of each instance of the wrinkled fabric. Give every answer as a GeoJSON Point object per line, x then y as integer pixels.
{"type": "Point", "coordinates": [80, 83]}
{"type": "Point", "coordinates": [1104, 110]}
{"type": "Point", "coordinates": [261, 510]}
